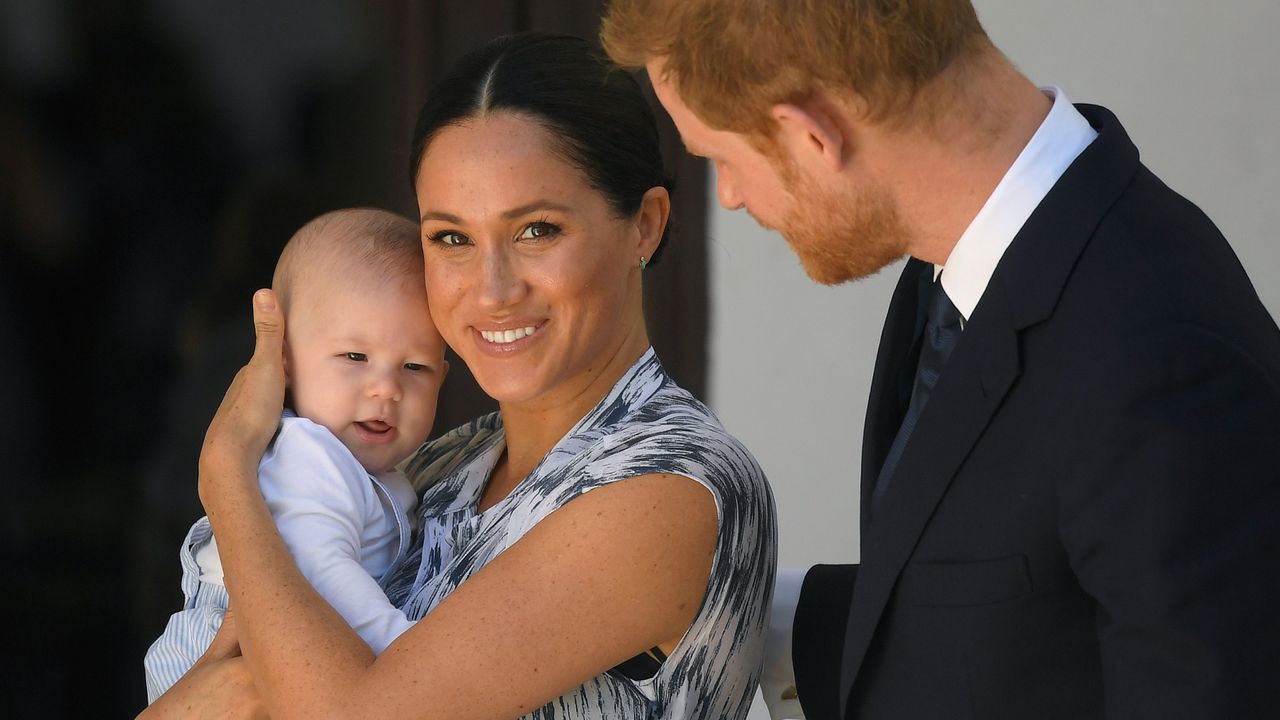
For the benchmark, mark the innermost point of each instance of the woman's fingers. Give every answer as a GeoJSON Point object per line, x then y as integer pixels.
{"type": "Point", "coordinates": [268, 326]}
{"type": "Point", "coordinates": [226, 643]}
{"type": "Point", "coordinates": [217, 687]}
{"type": "Point", "coordinates": [213, 690]}
{"type": "Point", "coordinates": [262, 394]}
{"type": "Point", "coordinates": [250, 410]}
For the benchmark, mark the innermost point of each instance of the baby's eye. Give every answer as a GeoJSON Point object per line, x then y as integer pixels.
{"type": "Point", "coordinates": [450, 238]}
{"type": "Point", "coordinates": [539, 231]}
{"type": "Point", "coordinates": [356, 357]}
{"type": "Point", "coordinates": [415, 367]}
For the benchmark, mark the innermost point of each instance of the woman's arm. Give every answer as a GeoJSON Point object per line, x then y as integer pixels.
{"type": "Point", "coordinates": [619, 570]}
{"type": "Point", "coordinates": [217, 687]}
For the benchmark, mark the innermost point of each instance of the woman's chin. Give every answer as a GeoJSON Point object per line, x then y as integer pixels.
{"type": "Point", "coordinates": [508, 390]}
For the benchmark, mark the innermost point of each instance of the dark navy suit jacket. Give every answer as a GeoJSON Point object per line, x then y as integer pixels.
{"type": "Point", "coordinates": [1086, 520]}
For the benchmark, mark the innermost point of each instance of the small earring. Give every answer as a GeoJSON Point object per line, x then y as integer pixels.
{"type": "Point", "coordinates": [643, 263]}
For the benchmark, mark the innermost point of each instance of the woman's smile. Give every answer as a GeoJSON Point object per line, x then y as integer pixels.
{"type": "Point", "coordinates": [509, 337]}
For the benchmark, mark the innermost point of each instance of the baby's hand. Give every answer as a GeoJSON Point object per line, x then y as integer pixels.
{"type": "Point", "coordinates": [250, 411]}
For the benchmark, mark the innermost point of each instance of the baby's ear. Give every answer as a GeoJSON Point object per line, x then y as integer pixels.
{"type": "Point", "coordinates": [444, 369]}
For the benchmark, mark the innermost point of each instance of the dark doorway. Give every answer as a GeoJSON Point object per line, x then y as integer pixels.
{"type": "Point", "coordinates": [156, 157]}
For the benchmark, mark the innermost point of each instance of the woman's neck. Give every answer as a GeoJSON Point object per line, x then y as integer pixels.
{"type": "Point", "coordinates": [532, 428]}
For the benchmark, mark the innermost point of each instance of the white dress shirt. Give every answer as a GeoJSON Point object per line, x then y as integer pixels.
{"type": "Point", "coordinates": [1061, 137]}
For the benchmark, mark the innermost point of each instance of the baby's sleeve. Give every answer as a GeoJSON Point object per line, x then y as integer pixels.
{"type": "Point", "coordinates": [322, 500]}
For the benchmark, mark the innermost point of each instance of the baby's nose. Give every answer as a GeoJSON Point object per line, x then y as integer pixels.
{"type": "Point", "coordinates": [385, 386]}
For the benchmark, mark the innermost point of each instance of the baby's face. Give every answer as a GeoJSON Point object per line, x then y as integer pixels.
{"type": "Point", "coordinates": [365, 361]}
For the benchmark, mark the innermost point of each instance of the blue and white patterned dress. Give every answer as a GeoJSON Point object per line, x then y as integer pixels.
{"type": "Point", "coordinates": [646, 424]}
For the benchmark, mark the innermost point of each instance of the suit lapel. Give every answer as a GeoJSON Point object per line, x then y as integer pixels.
{"type": "Point", "coordinates": [980, 372]}
{"type": "Point", "coordinates": [1023, 291]}
{"type": "Point", "coordinates": [891, 380]}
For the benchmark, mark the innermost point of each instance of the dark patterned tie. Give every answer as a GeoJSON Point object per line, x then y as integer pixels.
{"type": "Point", "coordinates": [941, 333]}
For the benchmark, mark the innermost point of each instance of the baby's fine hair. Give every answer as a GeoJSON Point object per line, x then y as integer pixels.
{"type": "Point", "coordinates": [354, 243]}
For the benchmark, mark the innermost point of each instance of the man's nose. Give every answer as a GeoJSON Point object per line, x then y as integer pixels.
{"type": "Point", "coordinates": [727, 191]}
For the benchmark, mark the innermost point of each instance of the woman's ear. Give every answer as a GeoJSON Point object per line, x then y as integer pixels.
{"type": "Point", "coordinates": [811, 132]}
{"type": "Point", "coordinates": [651, 221]}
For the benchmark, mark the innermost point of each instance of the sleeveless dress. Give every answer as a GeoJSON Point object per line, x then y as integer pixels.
{"type": "Point", "coordinates": [646, 424]}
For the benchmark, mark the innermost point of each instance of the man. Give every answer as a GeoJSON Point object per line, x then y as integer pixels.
{"type": "Point", "coordinates": [1070, 500]}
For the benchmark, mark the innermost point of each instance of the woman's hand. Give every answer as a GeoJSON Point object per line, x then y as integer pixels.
{"type": "Point", "coordinates": [217, 687]}
{"type": "Point", "coordinates": [250, 411]}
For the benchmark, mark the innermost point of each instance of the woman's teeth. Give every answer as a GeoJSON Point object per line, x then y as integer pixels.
{"type": "Point", "coordinates": [502, 337]}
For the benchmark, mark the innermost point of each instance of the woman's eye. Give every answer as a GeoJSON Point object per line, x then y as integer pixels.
{"type": "Point", "coordinates": [450, 238]}
{"type": "Point", "coordinates": [356, 357]}
{"type": "Point", "coordinates": [539, 231]}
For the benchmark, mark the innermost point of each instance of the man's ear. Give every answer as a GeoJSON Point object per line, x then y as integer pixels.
{"type": "Point", "coordinates": [812, 131]}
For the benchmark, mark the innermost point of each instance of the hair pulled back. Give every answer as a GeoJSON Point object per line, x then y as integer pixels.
{"type": "Point", "coordinates": [596, 113]}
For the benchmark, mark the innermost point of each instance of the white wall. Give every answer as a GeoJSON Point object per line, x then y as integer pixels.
{"type": "Point", "coordinates": [1196, 86]}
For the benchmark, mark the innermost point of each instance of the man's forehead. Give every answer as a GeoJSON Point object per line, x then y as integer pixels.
{"type": "Point", "coordinates": [672, 102]}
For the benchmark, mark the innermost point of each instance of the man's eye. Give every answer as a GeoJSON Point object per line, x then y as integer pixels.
{"type": "Point", "coordinates": [356, 357]}
{"type": "Point", "coordinates": [450, 238]}
{"type": "Point", "coordinates": [539, 231]}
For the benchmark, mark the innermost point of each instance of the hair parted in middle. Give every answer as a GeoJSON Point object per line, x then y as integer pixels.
{"type": "Point", "coordinates": [732, 60]}
{"type": "Point", "coordinates": [596, 113]}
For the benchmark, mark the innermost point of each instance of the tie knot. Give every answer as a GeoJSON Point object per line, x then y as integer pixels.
{"type": "Point", "coordinates": [942, 312]}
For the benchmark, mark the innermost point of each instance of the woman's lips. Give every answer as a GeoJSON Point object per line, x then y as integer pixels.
{"type": "Point", "coordinates": [374, 432]}
{"type": "Point", "coordinates": [507, 340]}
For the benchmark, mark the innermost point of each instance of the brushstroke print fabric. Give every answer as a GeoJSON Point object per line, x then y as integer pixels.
{"type": "Point", "coordinates": [645, 425]}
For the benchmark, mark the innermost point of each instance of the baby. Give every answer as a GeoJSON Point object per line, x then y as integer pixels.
{"type": "Point", "coordinates": [364, 365]}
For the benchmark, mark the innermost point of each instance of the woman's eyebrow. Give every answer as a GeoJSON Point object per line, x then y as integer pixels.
{"type": "Point", "coordinates": [527, 208]}
{"type": "Point", "coordinates": [435, 215]}
{"type": "Point", "coordinates": [511, 214]}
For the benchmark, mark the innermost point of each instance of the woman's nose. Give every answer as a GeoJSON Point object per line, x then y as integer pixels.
{"type": "Point", "coordinates": [499, 283]}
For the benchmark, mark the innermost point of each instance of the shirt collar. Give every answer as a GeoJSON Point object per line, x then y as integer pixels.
{"type": "Point", "coordinates": [1062, 136]}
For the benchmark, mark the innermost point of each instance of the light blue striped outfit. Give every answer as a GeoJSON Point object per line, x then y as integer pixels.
{"type": "Point", "coordinates": [645, 425]}
{"type": "Point", "coordinates": [344, 527]}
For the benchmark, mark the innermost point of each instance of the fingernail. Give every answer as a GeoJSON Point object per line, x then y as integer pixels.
{"type": "Point", "coordinates": [264, 300]}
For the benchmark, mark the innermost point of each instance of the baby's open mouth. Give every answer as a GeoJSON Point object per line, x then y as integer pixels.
{"type": "Point", "coordinates": [376, 427]}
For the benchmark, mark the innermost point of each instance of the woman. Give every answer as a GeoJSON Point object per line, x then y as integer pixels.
{"type": "Point", "coordinates": [600, 547]}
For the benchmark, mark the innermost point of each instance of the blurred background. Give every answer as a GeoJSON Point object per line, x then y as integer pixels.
{"type": "Point", "coordinates": [155, 155]}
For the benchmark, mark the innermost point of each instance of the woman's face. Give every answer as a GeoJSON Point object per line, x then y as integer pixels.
{"type": "Point", "coordinates": [532, 278]}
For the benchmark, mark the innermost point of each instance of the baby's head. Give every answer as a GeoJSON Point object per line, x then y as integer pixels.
{"type": "Point", "coordinates": [362, 355]}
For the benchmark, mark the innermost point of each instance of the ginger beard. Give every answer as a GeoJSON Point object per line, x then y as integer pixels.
{"type": "Point", "coordinates": [837, 236]}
